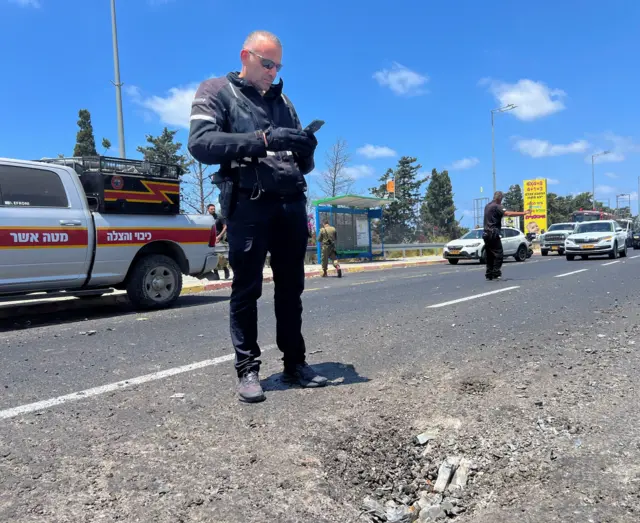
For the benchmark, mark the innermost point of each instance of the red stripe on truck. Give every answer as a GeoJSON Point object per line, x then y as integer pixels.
{"type": "Point", "coordinates": [119, 236]}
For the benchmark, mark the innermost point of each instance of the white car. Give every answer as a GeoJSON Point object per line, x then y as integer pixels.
{"type": "Point", "coordinates": [471, 246]}
{"type": "Point", "coordinates": [595, 239]}
{"type": "Point", "coordinates": [553, 240]}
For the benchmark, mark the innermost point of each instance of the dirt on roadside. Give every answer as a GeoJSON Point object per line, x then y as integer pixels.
{"type": "Point", "coordinates": [542, 429]}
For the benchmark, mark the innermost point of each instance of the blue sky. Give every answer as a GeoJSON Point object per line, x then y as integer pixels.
{"type": "Point", "coordinates": [391, 78]}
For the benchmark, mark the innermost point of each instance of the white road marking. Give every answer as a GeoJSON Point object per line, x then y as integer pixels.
{"type": "Point", "coordinates": [475, 296]}
{"type": "Point", "coordinates": [634, 257]}
{"type": "Point", "coordinates": [103, 389]}
{"type": "Point", "coordinates": [610, 263]}
{"type": "Point", "coordinates": [570, 273]}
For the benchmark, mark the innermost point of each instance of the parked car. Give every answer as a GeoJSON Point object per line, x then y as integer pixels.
{"type": "Point", "coordinates": [471, 246]}
{"type": "Point", "coordinates": [636, 239]}
{"type": "Point", "coordinates": [627, 226]}
{"type": "Point", "coordinates": [596, 238]}
{"type": "Point", "coordinates": [53, 240]}
{"type": "Point", "coordinates": [553, 239]}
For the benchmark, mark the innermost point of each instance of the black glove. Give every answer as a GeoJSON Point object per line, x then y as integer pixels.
{"type": "Point", "coordinates": [287, 139]}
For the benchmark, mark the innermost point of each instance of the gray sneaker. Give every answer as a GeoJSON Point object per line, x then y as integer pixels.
{"type": "Point", "coordinates": [303, 375]}
{"type": "Point", "coordinates": [249, 388]}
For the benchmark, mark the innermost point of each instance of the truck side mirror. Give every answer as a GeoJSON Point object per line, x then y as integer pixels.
{"type": "Point", "coordinates": [93, 203]}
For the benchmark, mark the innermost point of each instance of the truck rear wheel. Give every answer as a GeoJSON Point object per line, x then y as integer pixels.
{"type": "Point", "coordinates": [155, 282]}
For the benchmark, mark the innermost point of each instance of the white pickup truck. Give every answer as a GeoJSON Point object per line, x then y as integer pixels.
{"type": "Point", "coordinates": [52, 240]}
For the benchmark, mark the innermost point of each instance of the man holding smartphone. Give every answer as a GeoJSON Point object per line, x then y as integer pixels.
{"type": "Point", "coordinates": [244, 123]}
{"type": "Point", "coordinates": [494, 254]}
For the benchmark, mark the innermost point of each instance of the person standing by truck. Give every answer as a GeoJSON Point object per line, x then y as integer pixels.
{"type": "Point", "coordinates": [221, 237]}
{"type": "Point", "coordinates": [494, 254]}
{"type": "Point", "coordinates": [328, 239]}
{"type": "Point", "coordinates": [244, 123]}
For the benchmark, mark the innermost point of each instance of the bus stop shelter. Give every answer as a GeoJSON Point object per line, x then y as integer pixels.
{"type": "Point", "coordinates": [351, 215]}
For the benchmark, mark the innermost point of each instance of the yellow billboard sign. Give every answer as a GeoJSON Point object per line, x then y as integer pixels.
{"type": "Point", "coordinates": [535, 199]}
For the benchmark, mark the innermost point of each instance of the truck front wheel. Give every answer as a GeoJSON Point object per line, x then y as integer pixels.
{"type": "Point", "coordinates": [155, 282]}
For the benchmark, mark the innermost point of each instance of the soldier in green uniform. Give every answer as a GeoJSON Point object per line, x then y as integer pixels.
{"type": "Point", "coordinates": [328, 240]}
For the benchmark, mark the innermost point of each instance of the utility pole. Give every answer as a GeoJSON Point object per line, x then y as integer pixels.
{"type": "Point", "coordinates": [593, 177]}
{"type": "Point", "coordinates": [117, 83]}
{"type": "Point", "coordinates": [493, 139]}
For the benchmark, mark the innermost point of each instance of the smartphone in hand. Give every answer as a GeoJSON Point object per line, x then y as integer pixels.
{"type": "Point", "coordinates": [314, 126]}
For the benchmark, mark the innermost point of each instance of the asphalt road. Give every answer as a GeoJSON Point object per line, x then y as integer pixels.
{"type": "Point", "coordinates": [84, 398]}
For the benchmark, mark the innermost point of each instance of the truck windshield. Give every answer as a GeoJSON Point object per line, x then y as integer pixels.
{"type": "Point", "coordinates": [561, 227]}
{"type": "Point", "coordinates": [594, 227]}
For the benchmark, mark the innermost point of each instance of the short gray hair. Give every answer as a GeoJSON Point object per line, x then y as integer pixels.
{"type": "Point", "coordinates": [256, 36]}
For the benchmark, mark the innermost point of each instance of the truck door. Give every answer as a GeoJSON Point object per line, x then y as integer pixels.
{"type": "Point", "coordinates": [44, 229]}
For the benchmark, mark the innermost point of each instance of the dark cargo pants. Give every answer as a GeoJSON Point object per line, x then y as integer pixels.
{"type": "Point", "coordinates": [254, 227]}
{"type": "Point", "coordinates": [494, 254]}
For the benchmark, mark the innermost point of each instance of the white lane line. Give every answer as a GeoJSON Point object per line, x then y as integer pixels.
{"type": "Point", "coordinates": [634, 257]}
{"type": "Point", "coordinates": [570, 273]}
{"type": "Point", "coordinates": [103, 389]}
{"type": "Point", "coordinates": [610, 263]}
{"type": "Point", "coordinates": [475, 296]}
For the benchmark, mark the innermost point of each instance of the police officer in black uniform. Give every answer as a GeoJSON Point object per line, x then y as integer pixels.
{"type": "Point", "coordinates": [493, 214]}
{"type": "Point", "coordinates": [245, 123]}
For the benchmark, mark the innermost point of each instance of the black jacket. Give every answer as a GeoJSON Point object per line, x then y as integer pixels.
{"type": "Point", "coordinates": [225, 115]}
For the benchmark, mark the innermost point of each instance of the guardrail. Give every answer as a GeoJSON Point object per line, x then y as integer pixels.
{"type": "Point", "coordinates": [388, 247]}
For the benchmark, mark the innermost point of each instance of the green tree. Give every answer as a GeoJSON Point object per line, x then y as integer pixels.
{"type": "Point", "coordinates": [438, 210]}
{"type": "Point", "coordinates": [164, 149]}
{"type": "Point", "coordinates": [400, 218]}
{"type": "Point", "coordinates": [581, 201]}
{"type": "Point", "coordinates": [85, 141]}
{"type": "Point", "coordinates": [556, 209]}
{"type": "Point", "coordinates": [559, 208]}
{"type": "Point", "coordinates": [513, 199]}
{"type": "Point", "coordinates": [106, 144]}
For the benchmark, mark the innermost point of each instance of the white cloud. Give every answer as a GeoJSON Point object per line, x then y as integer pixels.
{"type": "Point", "coordinates": [465, 163]}
{"type": "Point", "coordinates": [376, 151]}
{"type": "Point", "coordinates": [359, 171]}
{"type": "Point", "coordinates": [467, 212]}
{"type": "Point", "coordinates": [613, 176]}
{"type": "Point", "coordinates": [401, 80]}
{"type": "Point", "coordinates": [27, 3]}
{"type": "Point", "coordinates": [553, 181]}
{"type": "Point", "coordinates": [542, 148]}
{"type": "Point", "coordinates": [619, 147]}
{"type": "Point", "coordinates": [612, 157]}
{"type": "Point", "coordinates": [533, 99]}
{"type": "Point", "coordinates": [605, 189]}
{"type": "Point", "coordinates": [611, 192]}
{"type": "Point", "coordinates": [174, 109]}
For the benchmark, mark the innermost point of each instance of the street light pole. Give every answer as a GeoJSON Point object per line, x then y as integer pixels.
{"type": "Point", "coordinates": [493, 139]}
{"type": "Point", "coordinates": [593, 176]}
{"type": "Point", "coordinates": [117, 83]}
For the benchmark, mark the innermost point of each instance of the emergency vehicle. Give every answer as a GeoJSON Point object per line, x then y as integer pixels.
{"type": "Point", "coordinates": [85, 226]}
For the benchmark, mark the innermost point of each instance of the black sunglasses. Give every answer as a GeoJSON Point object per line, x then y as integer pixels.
{"type": "Point", "coordinates": [266, 63]}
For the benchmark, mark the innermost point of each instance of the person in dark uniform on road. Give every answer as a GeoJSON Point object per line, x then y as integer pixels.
{"type": "Point", "coordinates": [493, 214]}
{"type": "Point", "coordinates": [244, 122]}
